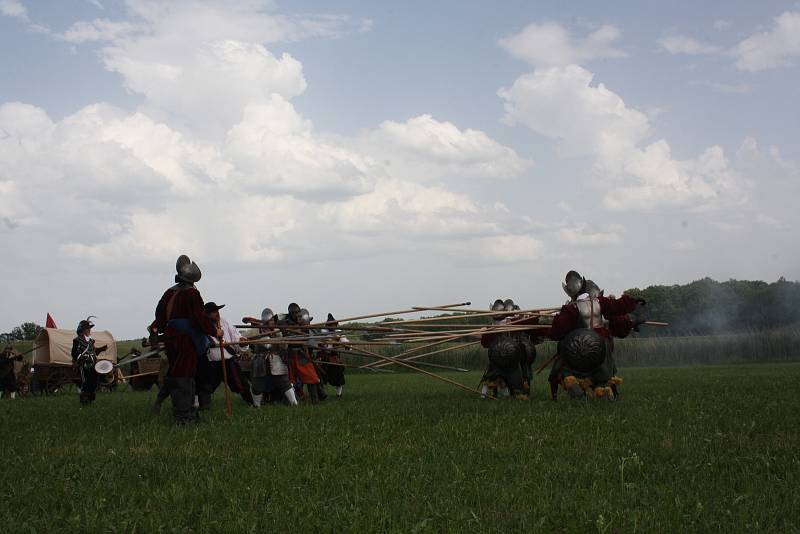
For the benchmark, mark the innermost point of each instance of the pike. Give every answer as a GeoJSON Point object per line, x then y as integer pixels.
{"type": "Point", "coordinates": [422, 308]}
{"type": "Point", "coordinates": [417, 356]}
{"type": "Point", "coordinates": [139, 357]}
{"type": "Point", "coordinates": [423, 371]}
{"type": "Point", "coordinates": [228, 407]}
{"type": "Point", "coordinates": [148, 373]}
{"type": "Point", "coordinates": [415, 349]}
{"type": "Point", "coordinates": [535, 313]}
{"type": "Point", "coordinates": [386, 314]}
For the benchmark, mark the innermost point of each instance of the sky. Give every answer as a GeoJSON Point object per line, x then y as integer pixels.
{"type": "Point", "coordinates": [358, 156]}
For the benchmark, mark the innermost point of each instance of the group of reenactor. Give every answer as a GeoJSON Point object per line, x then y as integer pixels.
{"type": "Point", "coordinates": [291, 359]}
{"type": "Point", "coordinates": [584, 327]}
{"type": "Point", "coordinates": [287, 365]}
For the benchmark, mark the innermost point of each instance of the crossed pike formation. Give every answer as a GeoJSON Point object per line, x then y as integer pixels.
{"type": "Point", "coordinates": [290, 357]}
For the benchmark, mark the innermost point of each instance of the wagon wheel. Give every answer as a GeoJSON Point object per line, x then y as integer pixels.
{"type": "Point", "coordinates": [58, 382]}
{"type": "Point", "coordinates": [24, 386]}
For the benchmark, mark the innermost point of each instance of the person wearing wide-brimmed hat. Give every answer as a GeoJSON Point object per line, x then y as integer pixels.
{"type": "Point", "coordinates": [182, 321]}
{"type": "Point", "coordinates": [84, 354]}
{"type": "Point", "coordinates": [209, 370]}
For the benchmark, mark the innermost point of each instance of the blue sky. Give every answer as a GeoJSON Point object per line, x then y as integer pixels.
{"type": "Point", "coordinates": [369, 154]}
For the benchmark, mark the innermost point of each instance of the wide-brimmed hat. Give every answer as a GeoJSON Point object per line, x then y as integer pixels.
{"type": "Point", "coordinates": [211, 307]}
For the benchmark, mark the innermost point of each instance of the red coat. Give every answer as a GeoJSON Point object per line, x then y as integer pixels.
{"type": "Point", "coordinates": [187, 304]}
{"type": "Point", "coordinates": [568, 319]}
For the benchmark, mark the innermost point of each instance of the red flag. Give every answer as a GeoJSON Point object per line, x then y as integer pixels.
{"type": "Point", "coordinates": [50, 322]}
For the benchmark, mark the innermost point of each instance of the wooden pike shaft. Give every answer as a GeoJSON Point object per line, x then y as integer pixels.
{"type": "Point", "coordinates": [467, 315]}
{"type": "Point", "coordinates": [417, 356]}
{"type": "Point", "coordinates": [488, 329]}
{"type": "Point", "coordinates": [148, 373]}
{"type": "Point", "coordinates": [416, 349]}
{"type": "Point", "coordinates": [423, 371]}
{"type": "Point", "coordinates": [540, 310]}
{"type": "Point", "coordinates": [386, 314]}
{"type": "Point", "coordinates": [656, 323]}
{"type": "Point", "coordinates": [228, 407]}
{"type": "Point", "coordinates": [545, 364]}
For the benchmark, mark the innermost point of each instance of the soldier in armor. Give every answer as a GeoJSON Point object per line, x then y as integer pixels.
{"type": "Point", "coordinates": [84, 355]}
{"type": "Point", "coordinates": [182, 321]}
{"type": "Point", "coordinates": [528, 340]}
{"type": "Point", "coordinates": [8, 378]}
{"type": "Point", "coordinates": [504, 373]}
{"type": "Point", "coordinates": [334, 374]}
{"type": "Point", "coordinates": [302, 361]}
{"type": "Point", "coordinates": [584, 333]}
{"type": "Point", "coordinates": [270, 372]}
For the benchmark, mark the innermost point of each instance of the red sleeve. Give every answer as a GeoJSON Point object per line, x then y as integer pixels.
{"type": "Point", "coordinates": [620, 326]}
{"type": "Point", "coordinates": [564, 322]}
{"type": "Point", "coordinates": [160, 322]}
{"type": "Point", "coordinates": [621, 306]}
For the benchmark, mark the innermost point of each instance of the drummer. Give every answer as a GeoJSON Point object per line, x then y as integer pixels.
{"type": "Point", "coordinates": [84, 354]}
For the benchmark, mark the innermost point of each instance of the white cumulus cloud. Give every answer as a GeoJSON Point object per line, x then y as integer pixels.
{"type": "Point", "coordinates": [13, 8]}
{"type": "Point", "coordinates": [683, 44]}
{"type": "Point", "coordinates": [586, 119]}
{"type": "Point", "coordinates": [550, 44]}
{"type": "Point", "coordinates": [770, 49]}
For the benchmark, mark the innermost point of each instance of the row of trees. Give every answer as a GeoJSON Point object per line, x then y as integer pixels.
{"type": "Point", "coordinates": [23, 332]}
{"type": "Point", "coordinates": [710, 307]}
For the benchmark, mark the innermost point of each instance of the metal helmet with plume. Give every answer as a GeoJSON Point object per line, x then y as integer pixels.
{"type": "Point", "coordinates": [593, 289]}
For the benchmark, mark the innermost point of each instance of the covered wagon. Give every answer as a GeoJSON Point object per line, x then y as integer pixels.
{"type": "Point", "coordinates": [52, 368]}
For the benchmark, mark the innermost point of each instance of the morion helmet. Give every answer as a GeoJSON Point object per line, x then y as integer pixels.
{"type": "Point", "coordinates": [304, 317]}
{"type": "Point", "coordinates": [498, 305]}
{"type": "Point", "coordinates": [574, 284]}
{"type": "Point", "coordinates": [188, 271]}
{"type": "Point", "coordinates": [508, 305]}
{"type": "Point", "coordinates": [267, 315]}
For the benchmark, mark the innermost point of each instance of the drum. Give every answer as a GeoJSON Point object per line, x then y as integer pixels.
{"type": "Point", "coordinates": [104, 367]}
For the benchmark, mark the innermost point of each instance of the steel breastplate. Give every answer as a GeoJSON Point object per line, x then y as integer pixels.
{"type": "Point", "coordinates": [590, 314]}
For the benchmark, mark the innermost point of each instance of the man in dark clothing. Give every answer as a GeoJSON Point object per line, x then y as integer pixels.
{"type": "Point", "coordinates": [181, 319]}
{"type": "Point", "coordinates": [8, 379]}
{"type": "Point", "coordinates": [84, 355]}
{"type": "Point", "coordinates": [209, 372]}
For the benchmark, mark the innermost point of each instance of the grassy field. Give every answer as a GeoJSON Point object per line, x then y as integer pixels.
{"type": "Point", "coordinates": [686, 449]}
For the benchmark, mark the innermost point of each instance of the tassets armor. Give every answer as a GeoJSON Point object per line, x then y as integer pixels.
{"type": "Point", "coordinates": [506, 351]}
{"type": "Point", "coordinates": [583, 350]}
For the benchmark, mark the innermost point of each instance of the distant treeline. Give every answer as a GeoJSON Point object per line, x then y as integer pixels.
{"type": "Point", "coordinates": [710, 307]}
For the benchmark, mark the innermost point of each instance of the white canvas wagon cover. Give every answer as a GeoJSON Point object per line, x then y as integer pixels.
{"type": "Point", "coordinates": [54, 346]}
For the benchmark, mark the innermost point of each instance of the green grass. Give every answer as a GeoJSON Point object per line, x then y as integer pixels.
{"type": "Point", "coordinates": [686, 449]}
